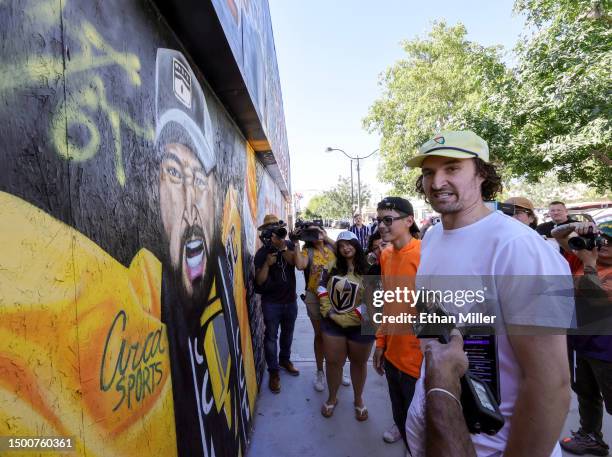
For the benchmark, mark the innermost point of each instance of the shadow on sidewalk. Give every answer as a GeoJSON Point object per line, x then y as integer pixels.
{"type": "Point", "coordinates": [290, 424]}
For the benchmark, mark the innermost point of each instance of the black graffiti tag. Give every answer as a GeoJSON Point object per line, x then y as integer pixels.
{"type": "Point", "coordinates": [136, 371]}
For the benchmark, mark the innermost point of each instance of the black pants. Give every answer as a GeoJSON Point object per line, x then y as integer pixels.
{"type": "Point", "coordinates": [401, 391]}
{"type": "Point", "coordinates": [592, 382]}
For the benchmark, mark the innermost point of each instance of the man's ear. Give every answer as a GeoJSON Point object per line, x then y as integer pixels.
{"type": "Point", "coordinates": [410, 220]}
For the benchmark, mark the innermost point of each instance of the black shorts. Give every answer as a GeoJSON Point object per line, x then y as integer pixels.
{"type": "Point", "coordinates": [352, 333]}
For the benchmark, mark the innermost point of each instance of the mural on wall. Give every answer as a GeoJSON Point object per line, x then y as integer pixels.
{"type": "Point", "coordinates": [128, 207]}
{"type": "Point", "coordinates": [248, 26]}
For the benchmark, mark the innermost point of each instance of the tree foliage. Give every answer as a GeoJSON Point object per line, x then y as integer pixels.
{"type": "Point", "coordinates": [336, 202]}
{"type": "Point", "coordinates": [442, 78]}
{"type": "Point", "coordinates": [551, 114]}
{"type": "Point", "coordinates": [562, 120]}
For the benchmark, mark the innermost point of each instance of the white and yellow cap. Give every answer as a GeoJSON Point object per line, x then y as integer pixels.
{"type": "Point", "coordinates": [463, 144]}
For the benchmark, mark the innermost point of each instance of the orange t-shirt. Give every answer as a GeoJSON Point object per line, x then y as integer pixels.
{"type": "Point", "coordinates": [399, 268]}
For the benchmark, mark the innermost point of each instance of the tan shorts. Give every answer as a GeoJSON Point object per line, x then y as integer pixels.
{"type": "Point", "coordinates": [312, 306]}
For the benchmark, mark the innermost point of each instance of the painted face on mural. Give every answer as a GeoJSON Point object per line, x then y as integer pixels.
{"type": "Point", "coordinates": [187, 210]}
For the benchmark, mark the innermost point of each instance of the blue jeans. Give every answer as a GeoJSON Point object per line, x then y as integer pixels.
{"type": "Point", "coordinates": [278, 315]}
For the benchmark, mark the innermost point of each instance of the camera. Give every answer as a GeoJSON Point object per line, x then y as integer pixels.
{"type": "Point", "coordinates": [588, 242]}
{"type": "Point", "coordinates": [276, 229]}
{"type": "Point", "coordinates": [308, 230]}
{"type": "Point", "coordinates": [371, 259]}
{"type": "Point", "coordinates": [480, 407]}
{"type": "Point", "coordinates": [509, 209]}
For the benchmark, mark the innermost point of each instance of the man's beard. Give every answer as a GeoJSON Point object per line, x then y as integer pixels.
{"type": "Point", "coordinates": [450, 205]}
{"type": "Point", "coordinates": [193, 304]}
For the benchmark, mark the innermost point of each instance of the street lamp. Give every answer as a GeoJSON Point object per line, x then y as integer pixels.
{"type": "Point", "coordinates": [330, 149]}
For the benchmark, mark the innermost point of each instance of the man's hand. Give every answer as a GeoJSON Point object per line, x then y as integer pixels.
{"type": "Point", "coordinates": [445, 364]}
{"type": "Point", "coordinates": [446, 431]}
{"type": "Point", "coordinates": [294, 236]}
{"type": "Point", "coordinates": [588, 258]}
{"type": "Point", "coordinates": [563, 233]}
{"type": "Point", "coordinates": [271, 258]}
{"type": "Point", "coordinates": [378, 361]}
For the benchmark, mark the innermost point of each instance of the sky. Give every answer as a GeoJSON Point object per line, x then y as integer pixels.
{"type": "Point", "coordinates": [330, 56]}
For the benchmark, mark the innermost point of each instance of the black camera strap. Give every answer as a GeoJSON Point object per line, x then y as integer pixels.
{"type": "Point", "coordinates": [307, 270]}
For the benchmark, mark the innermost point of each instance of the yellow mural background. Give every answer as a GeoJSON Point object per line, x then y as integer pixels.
{"type": "Point", "coordinates": [59, 296]}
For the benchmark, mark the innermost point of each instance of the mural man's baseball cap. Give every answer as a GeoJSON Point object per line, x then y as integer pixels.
{"type": "Point", "coordinates": [180, 103]}
{"type": "Point", "coordinates": [463, 144]}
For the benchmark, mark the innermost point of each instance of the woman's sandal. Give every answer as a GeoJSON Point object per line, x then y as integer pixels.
{"type": "Point", "coordinates": [327, 410]}
{"type": "Point", "coordinates": [361, 413]}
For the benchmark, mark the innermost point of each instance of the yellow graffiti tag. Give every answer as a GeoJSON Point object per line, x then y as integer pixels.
{"type": "Point", "coordinates": [76, 112]}
{"type": "Point", "coordinates": [87, 96]}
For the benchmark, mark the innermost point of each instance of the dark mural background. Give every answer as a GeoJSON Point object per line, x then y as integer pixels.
{"type": "Point", "coordinates": [129, 202]}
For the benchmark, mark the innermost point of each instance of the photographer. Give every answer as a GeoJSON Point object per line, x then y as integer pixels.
{"type": "Point", "coordinates": [521, 209]}
{"type": "Point", "coordinates": [275, 264]}
{"type": "Point", "coordinates": [591, 355]}
{"type": "Point", "coordinates": [319, 253]}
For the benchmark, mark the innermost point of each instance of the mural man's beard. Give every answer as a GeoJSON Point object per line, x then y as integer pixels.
{"type": "Point", "coordinates": [195, 266]}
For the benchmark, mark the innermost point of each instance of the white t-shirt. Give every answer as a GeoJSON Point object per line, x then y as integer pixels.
{"type": "Point", "coordinates": [513, 261]}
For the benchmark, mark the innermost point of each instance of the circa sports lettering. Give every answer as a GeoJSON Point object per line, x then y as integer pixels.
{"type": "Point", "coordinates": [130, 367]}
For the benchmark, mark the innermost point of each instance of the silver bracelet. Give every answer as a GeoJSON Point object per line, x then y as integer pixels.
{"type": "Point", "coordinates": [450, 394]}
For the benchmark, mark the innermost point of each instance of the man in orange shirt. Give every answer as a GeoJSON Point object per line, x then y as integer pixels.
{"type": "Point", "coordinates": [398, 353]}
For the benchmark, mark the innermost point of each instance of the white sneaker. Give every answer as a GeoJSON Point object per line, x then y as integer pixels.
{"type": "Point", "coordinates": [392, 435]}
{"type": "Point", "coordinates": [319, 381]}
{"type": "Point", "coordinates": [346, 380]}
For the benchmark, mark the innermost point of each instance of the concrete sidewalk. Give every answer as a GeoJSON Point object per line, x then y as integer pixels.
{"type": "Point", "coordinates": [289, 424]}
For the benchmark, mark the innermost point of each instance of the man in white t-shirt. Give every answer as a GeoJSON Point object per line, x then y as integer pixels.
{"type": "Point", "coordinates": [524, 277]}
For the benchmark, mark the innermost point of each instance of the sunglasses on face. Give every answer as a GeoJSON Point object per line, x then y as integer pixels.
{"type": "Point", "coordinates": [524, 211]}
{"type": "Point", "coordinates": [388, 220]}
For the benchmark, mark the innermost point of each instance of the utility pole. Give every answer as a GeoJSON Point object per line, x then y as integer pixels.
{"type": "Point", "coordinates": [352, 188]}
{"type": "Point", "coordinates": [358, 188]}
{"type": "Point", "coordinates": [329, 149]}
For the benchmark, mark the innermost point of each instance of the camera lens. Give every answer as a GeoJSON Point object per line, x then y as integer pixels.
{"type": "Point", "coordinates": [577, 243]}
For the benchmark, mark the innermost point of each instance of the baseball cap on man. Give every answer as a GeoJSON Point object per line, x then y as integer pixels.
{"type": "Point", "coordinates": [397, 203]}
{"type": "Point", "coordinates": [463, 144]}
{"type": "Point", "coordinates": [180, 106]}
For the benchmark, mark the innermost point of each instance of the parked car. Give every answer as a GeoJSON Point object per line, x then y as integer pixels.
{"type": "Point", "coordinates": [341, 225]}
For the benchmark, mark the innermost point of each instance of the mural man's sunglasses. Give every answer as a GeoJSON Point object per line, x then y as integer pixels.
{"type": "Point", "coordinates": [388, 220]}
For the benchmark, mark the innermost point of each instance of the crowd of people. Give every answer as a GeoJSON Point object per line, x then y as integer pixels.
{"type": "Point", "coordinates": [545, 341]}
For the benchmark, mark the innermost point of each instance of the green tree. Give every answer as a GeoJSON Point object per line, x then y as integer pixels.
{"type": "Point", "coordinates": [444, 82]}
{"type": "Point", "coordinates": [561, 117]}
{"type": "Point", "coordinates": [550, 115]}
{"type": "Point", "coordinates": [335, 203]}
